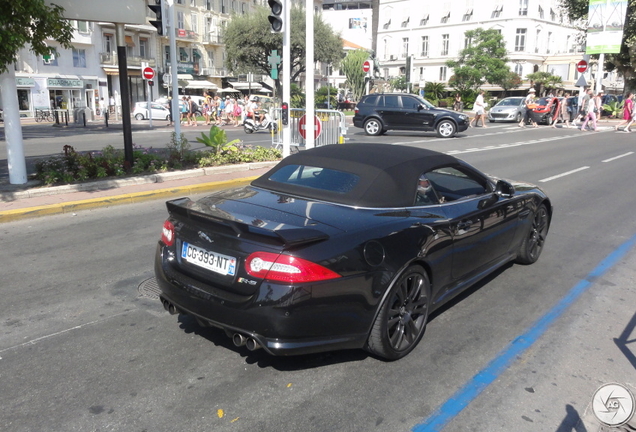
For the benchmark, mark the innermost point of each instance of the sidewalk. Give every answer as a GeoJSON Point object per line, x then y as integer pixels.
{"type": "Point", "coordinates": [28, 201]}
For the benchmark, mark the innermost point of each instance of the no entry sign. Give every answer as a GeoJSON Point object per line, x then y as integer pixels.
{"type": "Point", "coordinates": [302, 127]}
{"type": "Point", "coordinates": [581, 66]}
{"type": "Point", "coordinates": [148, 73]}
{"type": "Point", "coordinates": [366, 66]}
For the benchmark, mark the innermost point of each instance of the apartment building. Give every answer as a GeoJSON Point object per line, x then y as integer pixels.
{"type": "Point", "coordinates": [538, 37]}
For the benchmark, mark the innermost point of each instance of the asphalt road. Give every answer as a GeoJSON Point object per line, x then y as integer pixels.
{"type": "Point", "coordinates": [81, 349]}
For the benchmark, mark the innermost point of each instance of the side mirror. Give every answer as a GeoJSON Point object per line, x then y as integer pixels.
{"type": "Point", "coordinates": [504, 189]}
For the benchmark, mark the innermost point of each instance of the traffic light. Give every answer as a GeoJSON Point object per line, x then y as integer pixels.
{"type": "Point", "coordinates": [157, 8]}
{"type": "Point", "coordinates": [285, 113]}
{"type": "Point", "coordinates": [277, 15]}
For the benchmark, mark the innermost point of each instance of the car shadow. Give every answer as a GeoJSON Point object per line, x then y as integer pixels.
{"type": "Point", "coordinates": [264, 360]}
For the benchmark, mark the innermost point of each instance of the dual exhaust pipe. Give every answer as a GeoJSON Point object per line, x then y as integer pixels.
{"type": "Point", "coordinates": [169, 307]}
{"type": "Point", "coordinates": [250, 343]}
{"type": "Point", "coordinates": [238, 339]}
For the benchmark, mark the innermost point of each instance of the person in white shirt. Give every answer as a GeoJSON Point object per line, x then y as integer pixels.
{"type": "Point", "coordinates": [480, 111]}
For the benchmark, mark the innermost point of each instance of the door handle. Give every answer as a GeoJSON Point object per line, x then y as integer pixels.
{"type": "Point", "coordinates": [464, 225]}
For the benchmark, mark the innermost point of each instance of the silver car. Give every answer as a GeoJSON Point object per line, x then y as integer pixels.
{"type": "Point", "coordinates": [508, 109]}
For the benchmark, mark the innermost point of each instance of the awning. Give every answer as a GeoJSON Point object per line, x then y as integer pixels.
{"type": "Point", "coordinates": [227, 90]}
{"type": "Point", "coordinates": [183, 52]}
{"type": "Point", "coordinates": [186, 77]}
{"type": "Point", "coordinates": [129, 41]}
{"type": "Point", "coordinates": [264, 90]}
{"type": "Point", "coordinates": [245, 85]}
{"type": "Point", "coordinates": [196, 54]}
{"type": "Point", "coordinates": [201, 84]}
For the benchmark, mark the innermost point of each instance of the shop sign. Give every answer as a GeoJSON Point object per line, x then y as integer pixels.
{"type": "Point", "coordinates": [63, 82]}
{"type": "Point", "coordinates": [24, 82]}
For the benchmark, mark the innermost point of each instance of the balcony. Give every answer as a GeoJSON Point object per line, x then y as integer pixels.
{"type": "Point", "coordinates": [212, 39]}
{"type": "Point", "coordinates": [186, 34]}
{"type": "Point", "coordinates": [214, 72]}
{"type": "Point", "coordinates": [110, 59]}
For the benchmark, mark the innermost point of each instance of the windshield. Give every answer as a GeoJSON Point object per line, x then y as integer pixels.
{"type": "Point", "coordinates": [510, 102]}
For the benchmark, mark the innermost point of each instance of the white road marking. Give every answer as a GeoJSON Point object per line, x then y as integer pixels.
{"type": "Point", "coordinates": [618, 157]}
{"type": "Point", "coordinates": [564, 174]}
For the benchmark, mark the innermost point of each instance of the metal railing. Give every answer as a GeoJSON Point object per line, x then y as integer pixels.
{"type": "Point", "coordinates": [333, 127]}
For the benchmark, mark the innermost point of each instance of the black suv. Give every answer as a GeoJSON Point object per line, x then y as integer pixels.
{"type": "Point", "coordinates": [376, 113]}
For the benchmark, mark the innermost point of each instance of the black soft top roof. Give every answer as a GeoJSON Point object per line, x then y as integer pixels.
{"type": "Point", "coordinates": [388, 173]}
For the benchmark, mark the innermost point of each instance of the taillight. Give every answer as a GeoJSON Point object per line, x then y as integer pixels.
{"type": "Point", "coordinates": [167, 234]}
{"type": "Point", "coordinates": [286, 268]}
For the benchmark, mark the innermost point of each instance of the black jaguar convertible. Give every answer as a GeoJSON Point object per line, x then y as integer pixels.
{"type": "Point", "coordinates": [344, 246]}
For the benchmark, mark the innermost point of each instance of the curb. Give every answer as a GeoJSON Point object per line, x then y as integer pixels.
{"type": "Point", "coordinates": [128, 198]}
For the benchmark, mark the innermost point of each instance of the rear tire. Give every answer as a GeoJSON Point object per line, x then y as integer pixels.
{"type": "Point", "coordinates": [534, 239]}
{"type": "Point", "coordinates": [373, 127]}
{"type": "Point", "coordinates": [139, 116]}
{"type": "Point", "coordinates": [247, 129]}
{"type": "Point", "coordinates": [401, 322]}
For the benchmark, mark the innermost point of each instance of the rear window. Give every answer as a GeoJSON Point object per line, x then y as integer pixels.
{"type": "Point", "coordinates": [316, 178]}
{"type": "Point", "coordinates": [372, 100]}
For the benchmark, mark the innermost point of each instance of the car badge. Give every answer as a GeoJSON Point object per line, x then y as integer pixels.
{"type": "Point", "coordinates": [204, 236]}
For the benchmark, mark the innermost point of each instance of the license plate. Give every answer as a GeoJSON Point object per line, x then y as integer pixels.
{"type": "Point", "coordinates": [216, 262]}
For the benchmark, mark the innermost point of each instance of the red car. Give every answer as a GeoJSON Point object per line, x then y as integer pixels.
{"type": "Point", "coordinates": [546, 111]}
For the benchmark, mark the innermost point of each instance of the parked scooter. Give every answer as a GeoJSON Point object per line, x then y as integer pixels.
{"type": "Point", "coordinates": [251, 126]}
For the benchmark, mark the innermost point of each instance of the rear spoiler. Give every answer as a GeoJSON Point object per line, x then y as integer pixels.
{"type": "Point", "coordinates": [185, 208]}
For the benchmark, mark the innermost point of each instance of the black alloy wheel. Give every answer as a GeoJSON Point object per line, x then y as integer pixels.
{"type": "Point", "coordinates": [401, 322]}
{"type": "Point", "coordinates": [533, 243]}
{"type": "Point", "coordinates": [373, 127]}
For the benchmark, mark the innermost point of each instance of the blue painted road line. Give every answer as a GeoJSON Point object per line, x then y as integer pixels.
{"type": "Point", "coordinates": [473, 388]}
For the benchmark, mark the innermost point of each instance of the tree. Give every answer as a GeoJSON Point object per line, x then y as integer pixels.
{"type": "Point", "coordinates": [512, 81]}
{"type": "Point", "coordinates": [624, 61]}
{"type": "Point", "coordinates": [545, 81]}
{"type": "Point", "coordinates": [483, 60]}
{"type": "Point", "coordinates": [31, 23]}
{"type": "Point", "coordinates": [351, 66]}
{"type": "Point", "coordinates": [249, 42]}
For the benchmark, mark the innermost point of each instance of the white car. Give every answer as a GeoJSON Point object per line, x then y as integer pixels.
{"type": "Point", "coordinates": [159, 112]}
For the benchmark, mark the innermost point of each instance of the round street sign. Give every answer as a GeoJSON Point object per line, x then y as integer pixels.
{"type": "Point", "coordinates": [581, 66]}
{"type": "Point", "coordinates": [148, 73]}
{"type": "Point", "coordinates": [366, 66]}
{"type": "Point", "coordinates": [302, 127]}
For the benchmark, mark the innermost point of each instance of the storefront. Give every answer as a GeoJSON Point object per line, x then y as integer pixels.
{"type": "Point", "coordinates": [65, 93]}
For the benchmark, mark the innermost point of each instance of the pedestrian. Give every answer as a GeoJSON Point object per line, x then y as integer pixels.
{"type": "Point", "coordinates": [184, 110]}
{"type": "Point", "coordinates": [480, 111]}
{"type": "Point", "coordinates": [229, 111]}
{"type": "Point", "coordinates": [170, 109]}
{"type": "Point", "coordinates": [193, 112]}
{"type": "Point", "coordinates": [530, 105]}
{"type": "Point", "coordinates": [237, 112]}
{"type": "Point", "coordinates": [633, 119]}
{"type": "Point", "coordinates": [589, 107]}
{"type": "Point", "coordinates": [563, 115]}
{"type": "Point", "coordinates": [102, 107]}
{"type": "Point", "coordinates": [457, 105]}
{"type": "Point", "coordinates": [628, 112]}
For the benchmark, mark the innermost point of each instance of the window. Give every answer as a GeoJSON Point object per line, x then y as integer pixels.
{"type": "Point", "coordinates": [208, 5]}
{"type": "Point", "coordinates": [467, 42]}
{"type": "Point", "coordinates": [392, 101]}
{"type": "Point", "coordinates": [549, 42]}
{"type": "Point", "coordinates": [82, 26]}
{"type": "Point", "coordinates": [552, 15]}
{"type": "Point", "coordinates": [468, 15]}
{"type": "Point", "coordinates": [424, 20]}
{"type": "Point", "coordinates": [244, 8]}
{"type": "Point", "coordinates": [523, 7]}
{"type": "Point", "coordinates": [424, 46]}
{"type": "Point", "coordinates": [425, 195]}
{"type": "Point", "coordinates": [193, 3]}
{"type": "Point", "coordinates": [324, 179]}
{"type": "Point", "coordinates": [166, 54]}
{"type": "Point", "coordinates": [537, 41]}
{"type": "Point", "coordinates": [405, 23]}
{"type": "Point", "coordinates": [387, 25]}
{"type": "Point", "coordinates": [180, 20]}
{"type": "Point", "coordinates": [519, 69]}
{"type": "Point", "coordinates": [79, 58]}
{"type": "Point", "coordinates": [442, 73]}
{"type": "Point", "coordinates": [224, 8]}
{"type": "Point", "coordinates": [385, 50]}
{"type": "Point", "coordinates": [451, 184]}
{"type": "Point", "coordinates": [109, 43]}
{"type": "Point", "coordinates": [445, 18]}
{"type": "Point", "coordinates": [405, 47]}
{"type": "Point", "coordinates": [445, 44]}
{"type": "Point", "coordinates": [541, 14]}
{"type": "Point", "coordinates": [385, 73]}
{"type": "Point", "coordinates": [211, 59]}
{"type": "Point", "coordinates": [179, 1]}
{"type": "Point", "coordinates": [143, 48]}
{"type": "Point", "coordinates": [520, 40]}
{"type": "Point", "coordinates": [496, 13]}
{"type": "Point", "coordinates": [194, 22]}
